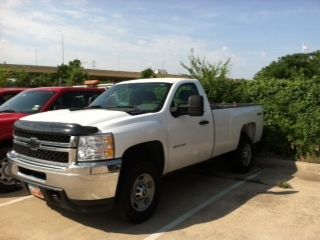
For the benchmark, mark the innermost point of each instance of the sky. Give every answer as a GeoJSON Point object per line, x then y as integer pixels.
{"type": "Point", "coordinates": [134, 35]}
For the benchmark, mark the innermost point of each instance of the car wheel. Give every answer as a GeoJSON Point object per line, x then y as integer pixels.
{"type": "Point", "coordinates": [7, 182]}
{"type": "Point", "coordinates": [139, 191]}
{"type": "Point", "coordinates": [243, 155]}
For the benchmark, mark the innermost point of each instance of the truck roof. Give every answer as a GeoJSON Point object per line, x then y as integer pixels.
{"type": "Point", "coordinates": [158, 80]}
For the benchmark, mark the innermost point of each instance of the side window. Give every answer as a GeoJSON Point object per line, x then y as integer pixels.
{"type": "Point", "coordinates": [2, 100]}
{"type": "Point", "coordinates": [70, 100]}
{"type": "Point", "coordinates": [90, 97]}
{"type": "Point", "coordinates": [183, 93]}
{"type": "Point", "coordinates": [8, 96]}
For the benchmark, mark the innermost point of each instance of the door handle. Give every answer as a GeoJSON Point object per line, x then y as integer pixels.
{"type": "Point", "coordinates": [203, 122]}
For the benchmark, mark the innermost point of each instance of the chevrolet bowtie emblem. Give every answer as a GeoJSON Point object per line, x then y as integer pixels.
{"type": "Point", "coordinates": [34, 144]}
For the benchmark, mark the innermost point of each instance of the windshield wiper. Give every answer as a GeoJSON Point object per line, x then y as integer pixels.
{"type": "Point", "coordinates": [129, 109]}
{"type": "Point", "coordinates": [8, 111]}
{"type": "Point", "coordinates": [93, 106]}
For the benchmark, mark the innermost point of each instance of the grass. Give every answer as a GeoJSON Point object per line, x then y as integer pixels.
{"type": "Point", "coordinates": [310, 159]}
{"type": "Point", "coordinates": [284, 184]}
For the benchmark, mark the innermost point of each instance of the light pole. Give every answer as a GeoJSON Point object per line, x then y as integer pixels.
{"type": "Point", "coordinates": [36, 56]}
{"type": "Point", "coordinates": [62, 46]}
{"type": "Point", "coordinates": [118, 61]}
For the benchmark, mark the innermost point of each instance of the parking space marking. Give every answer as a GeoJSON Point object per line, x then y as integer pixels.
{"type": "Point", "coordinates": [193, 211]}
{"type": "Point", "coordinates": [16, 200]}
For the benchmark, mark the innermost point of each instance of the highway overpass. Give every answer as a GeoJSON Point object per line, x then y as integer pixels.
{"type": "Point", "coordinates": [103, 75]}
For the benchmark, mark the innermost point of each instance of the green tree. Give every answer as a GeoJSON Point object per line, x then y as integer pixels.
{"type": "Point", "coordinates": [42, 80]}
{"type": "Point", "coordinates": [71, 74]}
{"type": "Point", "coordinates": [14, 78]}
{"type": "Point", "coordinates": [148, 73]}
{"type": "Point", "coordinates": [212, 76]}
{"type": "Point", "coordinates": [4, 75]}
{"type": "Point", "coordinates": [305, 65]}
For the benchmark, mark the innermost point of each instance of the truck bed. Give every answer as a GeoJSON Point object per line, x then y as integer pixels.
{"type": "Point", "coordinates": [230, 105]}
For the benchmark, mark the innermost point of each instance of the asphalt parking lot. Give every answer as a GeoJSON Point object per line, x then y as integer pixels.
{"type": "Point", "coordinates": [202, 202]}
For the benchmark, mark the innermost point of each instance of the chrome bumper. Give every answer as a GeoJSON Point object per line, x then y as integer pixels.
{"type": "Point", "coordinates": [86, 181]}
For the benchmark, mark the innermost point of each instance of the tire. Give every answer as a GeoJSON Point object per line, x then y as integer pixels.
{"type": "Point", "coordinates": [243, 155]}
{"type": "Point", "coordinates": [7, 182]}
{"type": "Point", "coordinates": [139, 191]}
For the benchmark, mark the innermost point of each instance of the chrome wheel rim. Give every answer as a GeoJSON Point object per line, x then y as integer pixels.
{"type": "Point", "coordinates": [246, 155]}
{"type": "Point", "coordinates": [5, 175]}
{"type": "Point", "coordinates": [143, 191]}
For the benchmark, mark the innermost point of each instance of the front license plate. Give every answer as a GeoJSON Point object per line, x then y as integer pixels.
{"type": "Point", "coordinates": [35, 191]}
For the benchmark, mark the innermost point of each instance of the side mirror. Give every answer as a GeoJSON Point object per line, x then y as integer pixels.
{"type": "Point", "coordinates": [195, 105]}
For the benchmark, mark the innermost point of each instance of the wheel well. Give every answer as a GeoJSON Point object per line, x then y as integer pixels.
{"type": "Point", "coordinates": [148, 151]}
{"type": "Point", "coordinates": [3, 146]}
{"type": "Point", "coordinates": [249, 129]}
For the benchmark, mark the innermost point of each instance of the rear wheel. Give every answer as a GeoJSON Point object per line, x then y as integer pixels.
{"type": "Point", "coordinates": [139, 191]}
{"type": "Point", "coordinates": [7, 182]}
{"type": "Point", "coordinates": [243, 155]}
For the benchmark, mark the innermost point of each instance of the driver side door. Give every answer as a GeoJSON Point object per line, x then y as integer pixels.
{"type": "Point", "coordinates": [190, 141]}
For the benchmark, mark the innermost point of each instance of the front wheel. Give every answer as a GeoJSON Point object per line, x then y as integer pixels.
{"type": "Point", "coordinates": [243, 155]}
{"type": "Point", "coordinates": [7, 182]}
{"type": "Point", "coordinates": [139, 191]}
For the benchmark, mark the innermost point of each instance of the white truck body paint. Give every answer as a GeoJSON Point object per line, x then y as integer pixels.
{"type": "Point", "coordinates": [184, 141]}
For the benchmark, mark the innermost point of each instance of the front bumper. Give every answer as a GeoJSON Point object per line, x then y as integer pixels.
{"type": "Point", "coordinates": [78, 182]}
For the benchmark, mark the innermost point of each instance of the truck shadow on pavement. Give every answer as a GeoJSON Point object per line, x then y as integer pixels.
{"type": "Point", "coordinates": [190, 187]}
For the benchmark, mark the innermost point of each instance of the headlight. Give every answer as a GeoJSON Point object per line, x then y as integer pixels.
{"type": "Point", "coordinates": [96, 147]}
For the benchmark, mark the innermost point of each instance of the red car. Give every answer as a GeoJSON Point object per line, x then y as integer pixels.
{"type": "Point", "coordinates": [33, 101]}
{"type": "Point", "coordinates": [7, 93]}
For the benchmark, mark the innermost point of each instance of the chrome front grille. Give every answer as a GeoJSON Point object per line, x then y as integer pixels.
{"type": "Point", "coordinates": [45, 148]}
{"type": "Point", "coordinates": [47, 155]}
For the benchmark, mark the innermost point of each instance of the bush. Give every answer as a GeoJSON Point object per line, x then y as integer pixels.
{"type": "Point", "coordinates": [291, 107]}
{"type": "Point", "coordinates": [291, 113]}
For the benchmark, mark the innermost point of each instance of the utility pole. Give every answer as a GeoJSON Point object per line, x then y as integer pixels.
{"type": "Point", "coordinates": [118, 61]}
{"type": "Point", "coordinates": [162, 59]}
{"type": "Point", "coordinates": [62, 47]}
{"type": "Point", "coordinates": [36, 56]}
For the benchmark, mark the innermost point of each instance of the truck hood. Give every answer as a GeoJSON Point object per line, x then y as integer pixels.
{"type": "Point", "coordinates": [88, 117]}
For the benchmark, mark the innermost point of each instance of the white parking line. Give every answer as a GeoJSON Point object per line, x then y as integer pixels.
{"type": "Point", "coordinates": [14, 201]}
{"type": "Point", "coordinates": [193, 211]}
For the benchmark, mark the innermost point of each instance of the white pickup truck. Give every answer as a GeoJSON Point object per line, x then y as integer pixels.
{"type": "Point", "coordinates": [118, 148]}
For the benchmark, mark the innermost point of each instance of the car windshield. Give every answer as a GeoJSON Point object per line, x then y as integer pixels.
{"type": "Point", "coordinates": [133, 98]}
{"type": "Point", "coordinates": [27, 102]}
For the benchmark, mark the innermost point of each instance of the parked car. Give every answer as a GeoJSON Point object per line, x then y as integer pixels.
{"type": "Point", "coordinates": [7, 93]}
{"type": "Point", "coordinates": [131, 135]}
{"type": "Point", "coordinates": [33, 101]}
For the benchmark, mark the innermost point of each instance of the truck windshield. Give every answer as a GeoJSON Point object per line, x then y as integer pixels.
{"type": "Point", "coordinates": [133, 98]}
{"type": "Point", "coordinates": [27, 102]}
